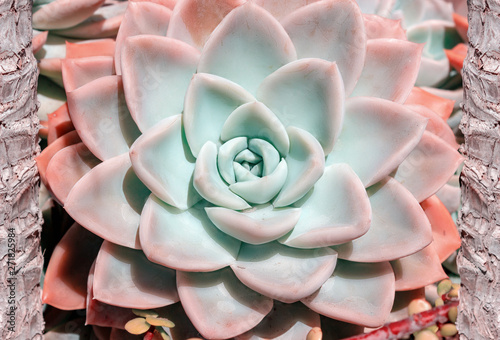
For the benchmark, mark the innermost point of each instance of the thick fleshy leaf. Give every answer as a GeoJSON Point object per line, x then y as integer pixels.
{"type": "Point", "coordinates": [184, 240]}
{"type": "Point", "coordinates": [280, 9]}
{"type": "Point", "coordinates": [50, 68]}
{"type": "Point", "coordinates": [93, 48]}
{"type": "Point", "coordinates": [428, 167]}
{"type": "Point", "coordinates": [104, 23]}
{"type": "Point", "coordinates": [433, 72]}
{"type": "Point", "coordinates": [227, 155]}
{"type": "Point", "coordinates": [331, 30]}
{"type": "Point", "coordinates": [255, 120]}
{"type": "Point", "coordinates": [311, 86]}
{"type": "Point", "coordinates": [283, 273]}
{"type": "Point", "coordinates": [450, 194]}
{"type": "Point", "coordinates": [64, 13]}
{"type": "Point", "coordinates": [100, 115]}
{"type": "Point", "coordinates": [163, 162]}
{"type": "Point", "coordinates": [263, 189]}
{"type": "Point", "coordinates": [247, 46]}
{"type": "Point", "coordinates": [461, 24]}
{"type": "Point", "coordinates": [39, 39]}
{"type": "Point", "coordinates": [67, 167]}
{"type": "Point", "coordinates": [194, 20]}
{"type": "Point", "coordinates": [209, 101]}
{"type": "Point", "coordinates": [306, 164]}
{"type": "Point", "coordinates": [399, 226]}
{"type": "Point", "coordinates": [377, 135]}
{"type": "Point", "coordinates": [156, 73]}
{"type": "Point", "coordinates": [391, 68]}
{"type": "Point", "coordinates": [78, 72]}
{"type": "Point", "coordinates": [285, 321]}
{"type": "Point", "coordinates": [436, 125]}
{"type": "Point", "coordinates": [418, 270]}
{"type": "Point", "coordinates": [124, 277]}
{"type": "Point", "coordinates": [42, 160]}
{"type": "Point", "coordinates": [210, 185]}
{"type": "Point", "coordinates": [456, 56]}
{"type": "Point", "coordinates": [336, 211]}
{"type": "Point", "coordinates": [442, 106]}
{"type": "Point", "coordinates": [141, 18]}
{"type": "Point", "coordinates": [219, 305]}
{"type": "Point", "coordinates": [108, 201]}
{"type": "Point", "coordinates": [360, 293]}
{"type": "Point", "coordinates": [65, 282]}
{"type": "Point", "coordinates": [260, 225]}
{"type": "Point", "coordinates": [59, 123]}
{"type": "Point", "coordinates": [378, 27]}
{"type": "Point", "coordinates": [444, 231]}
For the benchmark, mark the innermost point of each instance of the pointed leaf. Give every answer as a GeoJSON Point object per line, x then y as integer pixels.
{"type": "Point", "coordinates": [377, 135]}
{"type": "Point", "coordinates": [442, 106]}
{"type": "Point", "coordinates": [39, 39]}
{"type": "Point", "coordinates": [59, 123]}
{"type": "Point", "coordinates": [378, 27]}
{"type": "Point", "coordinates": [78, 72]}
{"type": "Point", "coordinates": [399, 226]}
{"type": "Point", "coordinates": [162, 161]}
{"type": "Point", "coordinates": [247, 46]}
{"type": "Point", "coordinates": [64, 13]}
{"type": "Point", "coordinates": [391, 68]}
{"type": "Point", "coordinates": [124, 277]}
{"type": "Point", "coordinates": [184, 240]}
{"type": "Point", "coordinates": [156, 73]}
{"type": "Point", "coordinates": [307, 85]}
{"type": "Point", "coordinates": [219, 305]}
{"type": "Point", "coordinates": [360, 293]}
{"type": "Point", "coordinates": [283, 273]}
{"type": "Point", "coordinates": [280, 9]}
{"type": "Point", "coordinates": [330, 30]}
{"type": "Point", "coordinates": [93, 48]}
{"type": "Point", "coordinates": [336, 211]}
{"type": "Point", "coordinates": [261, 225]}
{"type": "Point", "coordinates": [100, 115]}
{"type": "Point", "coordinates": [108, 201]}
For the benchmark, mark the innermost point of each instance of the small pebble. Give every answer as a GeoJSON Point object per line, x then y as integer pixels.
{"type": "Point", "coordinates": [452, 314]}
{"type": "Point", "coordinates": [448, 329]}
{"type": "Point", "coordinates": [444, 287]}
{"type": "Point", "coordinates": [426, 335]}
{"type": "Point", "coordinates": [438, 302]}
{"type": "Point", "coordinates": [418, 305]}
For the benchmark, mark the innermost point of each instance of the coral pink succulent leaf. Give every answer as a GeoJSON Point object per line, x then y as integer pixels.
{"type": "Point", "coordinates": [383, 132]}
{"type": "Point", "coordinates": [443, 107]}
{"type": "Point", "coordinates": [418, 270]}
{"type": "Point", "coordinates": [247, 46]}
{"type": "Point", "coordinates": [444, 231]}
{"type": "Point", "coordinates": [332, 30]}
{"type": "Point", "coordinates": [428, 167]}
{"type": "Point", "coordinates": [311, 86]}
{"type": "Point", "coordinates": [124, 277]}
{"type": "Point", "coordinates": [255, 120]}
{"type": "Point", "coordinates": [399, 226]}
{"type": "Point", "coordinates": [184, 240]}
{"type": "Point", "coordinates": [104, 23]}
{"type": "Point", "coordinates": [64, 13]}
{"type": "Point", "coordinates": [42, 160]}
{"type": "Point", "coordinates": [209, 101]}
{"type": "Point", "coordinates": [167, 3]}
{"type": "Point", "coordinates": [163, 162]}
{"type": "Point", "coordinates": [67, 167]}
{"type": "Point", "coordinates": [456, 56]}
{"type": "Point", "coordinates": [391, 68]}
{"type": "Point", "coordinates": [280, 9]}
{"type": "Point", "coordinates": [306, 164]}
{"type": "Point", "coordinates": [378, 27]}
{"type": "Point", "coordinates": [141, 18]}
{"type": "Point", "coordinates": [39, 39]}
{"type": "Point", "coordinates": [359, 293]}
{"type": "Point", "coordinates": [337, 210]}
{"type": "Point", "coordinates": [78, 72]}
{"type": "Point", "coordinates": [461, 25]}
{"type": "Point", "coordinates": [108, 201]}
{"type": "Point", "coordinates": [101, 118]}
{"type": "Point", "coordinates": [59, 123]}
{"type": "Point", "coordinates": [156, 73]}
{"type": "Point", "coordinates": [219, 305]}
{"type": "Point", "coordinates": [194, 20]}
{"type": "Point", "coordinates": [210, 185]}
{"type": "Point", "coordinates": [65, 282]}
{"type": "Point", "coordinates": [93, 48]}
{"type": "Point", "coordinates": [260, 225]}
{"type": "Point", "coordinates": [283, 273]}
{"type": "Point", "coordinates": [436, 124]}
{"type": "Point", "coordinates": [285, 321]}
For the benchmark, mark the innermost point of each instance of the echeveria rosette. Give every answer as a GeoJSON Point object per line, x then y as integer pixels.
{"type": "Point", "coordinates": [261, 154]}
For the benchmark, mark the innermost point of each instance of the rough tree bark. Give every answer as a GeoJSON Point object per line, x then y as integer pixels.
{"type": "Point", "coordinates": [479, 259]}
{"type": "Point", "coordinates": [20, 221]}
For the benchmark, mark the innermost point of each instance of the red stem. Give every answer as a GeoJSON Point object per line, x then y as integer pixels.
{"type": "Point", "coordinates": [149, 335]}
{"type": "Point", "coordinates": [405, 327]}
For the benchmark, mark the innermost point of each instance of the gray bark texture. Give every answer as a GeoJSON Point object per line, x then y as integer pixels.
{"type": "Point", "coordinates": [20, 219]}
{"type": "Point", "coordinates": [479, 258]}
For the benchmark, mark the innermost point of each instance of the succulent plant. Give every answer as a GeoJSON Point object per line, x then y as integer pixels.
{"type": "Point", "coordinates": [236, 156]}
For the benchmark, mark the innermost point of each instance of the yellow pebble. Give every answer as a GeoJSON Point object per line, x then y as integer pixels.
{"type": "Point", "coordinates": [315, 334]}
{"type": "Point", "coordinates": [426, 335]}
{"type": "Point", "coordinates": [438, 302]}
{"type": "Point", "coordinates": [444, 287]}
{"type": "Point", "coordinates": [452, 314]}
{"type": "Point", "coordinates": [433, 328]}
{"type": "Point", "coordinates": [454, 292]}
{"type": "Point", "coordinates": [137, 326]}
{"type": "Point", "coordinates": [418, 305]}
{"type": "Point", "coordinates": [448, 329]}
